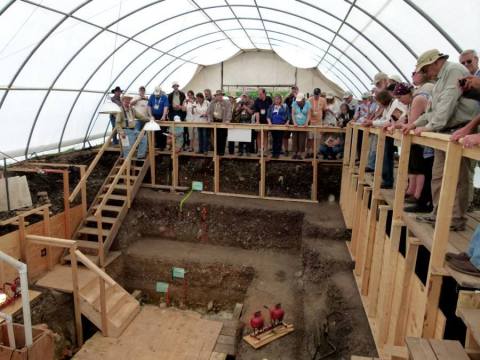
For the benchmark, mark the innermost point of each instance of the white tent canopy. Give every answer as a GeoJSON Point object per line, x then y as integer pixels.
{"type": "Point", "coordinates": [59, 59]}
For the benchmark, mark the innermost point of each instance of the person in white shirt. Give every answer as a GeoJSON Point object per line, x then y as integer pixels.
{"type": "Point", "coordinates": [199, 111]}
{"type": "Point", "coordinates": [140, 105]}
{"type": "Point", "coordinates": [187, 107]}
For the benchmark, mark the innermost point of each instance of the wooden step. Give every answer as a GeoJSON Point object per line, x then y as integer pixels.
{"type": "Point", "coordinates": [113, 296]}
{"type": "Point", "coordinates": [124, 313]}
{"type": "Point", "coordinates": [93, 231]}
{"type": "Point", "coordinates": [87, 244]}
{"type": "Point", "coordinates": [104, 219]}
{"type": "Point", "coordinates": [471, 318]}
{"type": "Point", "coordinates": [115, 197]}
{"type": "Point", "coordinates": [132, 177]}
{"type": "Point", "coordinates": [110, 208]}
{"type": "Point", "coordinates": [112, 255]}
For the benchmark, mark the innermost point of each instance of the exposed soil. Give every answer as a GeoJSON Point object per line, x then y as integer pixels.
{"type": "Point", "coordinates": [304, 266]}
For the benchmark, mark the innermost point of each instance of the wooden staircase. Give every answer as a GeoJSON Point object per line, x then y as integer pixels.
{"type": "Point", "coordinates": [117, 311]}
{"type": "Point", "coordinates": [96, 232]}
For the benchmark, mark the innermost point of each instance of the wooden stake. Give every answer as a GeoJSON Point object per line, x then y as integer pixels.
{"type": "Point", "coordinates": [216, 163]}
{"type": "Point", "coordinates": [103, 307]}
{"type": "Point", "coordinates": [262, 163]}
{"type": "Point", "coordinates": [314, 191]}
{"type": "Point", "coordinates": [46, 232]}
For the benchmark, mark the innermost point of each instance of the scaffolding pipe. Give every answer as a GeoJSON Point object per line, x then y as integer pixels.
{"type": "Point", "coordinates": [22, 272]}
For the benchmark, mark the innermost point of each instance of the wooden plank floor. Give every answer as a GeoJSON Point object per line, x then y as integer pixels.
{"type": "Point", "coordinates": [166, 334]}
{"type": "Point", "coordinates": [60, 278]}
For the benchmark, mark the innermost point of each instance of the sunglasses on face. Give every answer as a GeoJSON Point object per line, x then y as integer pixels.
{"type": "Point", "coordinates": [467, 62]}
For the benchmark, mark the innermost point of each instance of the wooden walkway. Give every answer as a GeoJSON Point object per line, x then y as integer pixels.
{"type": "Point", "coordinates": [165, 334]}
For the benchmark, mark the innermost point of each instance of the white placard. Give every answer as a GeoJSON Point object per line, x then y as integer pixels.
{"type": "Point", "coordinates": [240, 135]}
{"type": "Point", "coordinates": [18, 191]}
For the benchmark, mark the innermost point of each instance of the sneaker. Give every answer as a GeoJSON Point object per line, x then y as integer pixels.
{"type": "Point", "coordinates": [463, 266]}
{"type": "Point", "coordinates": [458, 225]}
{"type": "Point", "coordinates": [418, 208]}
{"type": "Point", "coordinates": [462, 256]}
{"type": "Point", "coordinates": [428, 219]}
{"type": "Point", "coordinates": [386, 186]}
{"type": "Point", "coordinates": [369, 170]}
{"type": "Point", "coordinates": [410, 199]}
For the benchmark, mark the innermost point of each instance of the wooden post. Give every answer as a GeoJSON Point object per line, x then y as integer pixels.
{"type": "Point", "coordinates": [103, 307]}
{"type": "Point", "coordinates": [441, 234]}
{"type": "Point", "coordinates": [216, 163]}
{"type": "Point", "coordinates": [388, 280]}
{"type": "Point", "coordinates": [21, 237]}
{"type": "Point", "coordinates": [46, 232]}
{"type": "Point", "coordinates": [377, 261]}
{"type": "Point", "coordinates": [151, 155]}
{"type": "Point", "coordinates": [262, 163]}
{"type": "Point", "coordinates": [101, 249]}
{"type": "Point", "coordinates": [368, 250]}
{"type": "Point", "coordinates": [174, 160]}
{"type": "Point", "coordinates": [345, 167]}
{"type": "Point", "coordinates": [315, 167]}
{"type": "Point", "coordinates": [377, 176]}
{"type": "Point", "coordinates": [364, 154]}
{"type": "Point", "coordinates": [410, 261]}
{"type": "Point", "coordinates": [66, 203]}
{"type": "Point", "coordinates": [76, 296]}
{"type": "Point", "coordinates": [356, 214]}
{"type": "Point", "coordinates": [127, 180]}
{"type": "Point", "coordinates": [83, 169]}
{"type": "Point", "coordinates": [362, 234]}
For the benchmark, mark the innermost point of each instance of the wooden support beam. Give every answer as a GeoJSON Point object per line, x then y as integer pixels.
{"type": "Point", "coordinates": [378, 261]}
{"type": "Point", "coordinates": [103, 307]}
{"type": "Point", "coordinates": [22, 239]}
{"type": "Point", "coordinates": [47, 232]}
{"type": "Point", "coordinates": [356, 215]}
{"type": "Point", "coordinates": [380, 154]}
{"type": "Point", "coordinates": [66, 203]}
{"type": "Point", "coordinates": [262, 164]}
{"type": "Point", "coordinates": [388, 280]}
{"type": "Point", "coordinates": [216, 163]}
{"type": "Point", "coordinates": [151, 156]}
{"type": "Point", "coordinates": [362, 236]}
{"type": "Point", "coordinates": [369, 247]}
{"type": "Point", "coordinates": [76, 296]}
{"type": "Point", "coordinates": [441, 233]}
{"type": "Point", "coordinates": [314, 194]}
{"type": "Point", "coordinates": [83, 191]}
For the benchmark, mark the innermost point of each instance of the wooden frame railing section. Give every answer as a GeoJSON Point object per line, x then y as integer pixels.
{"type": "Point", "coordinates": [396, 302]}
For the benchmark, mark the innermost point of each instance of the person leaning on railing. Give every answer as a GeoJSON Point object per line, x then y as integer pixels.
{"type": "Point", "coordinates": [220, 111]}
{"type": "Point", "coordinates": [277, 114]}
{"type": "Point", "coordinates": [301, 118]}
{"type": "Point", "coordinates": [448, 111]}
{"type": "Point", "coordinates": [125, 126]}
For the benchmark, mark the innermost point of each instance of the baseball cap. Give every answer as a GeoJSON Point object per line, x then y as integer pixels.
{"type": "Point", "coordinates": [300, 97]}
{"type": "Point", "coordinates": [158, 90]}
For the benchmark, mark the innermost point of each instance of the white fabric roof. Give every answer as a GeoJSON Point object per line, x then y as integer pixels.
{"type": "Point", "coordinates": [59, 58]}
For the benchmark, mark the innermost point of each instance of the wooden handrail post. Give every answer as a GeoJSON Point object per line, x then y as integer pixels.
{"type": "Point", "coordinates": [103, 307]}
{"type": "Point", "coordinates": [66, 203]}
{"type": "Point", "coordinates": [101, 249]}
{"type": "Point", "coordinates": [174, 159]}
{"type": "Point", "coordinates": [216, 162]}
{"type": "Point", "coordinates": [151, 155]}
{"type": "Point", "coordinates": [313, 194]}
{"type": "Point", "coordinates": [90, 168]}
{"type": "Point", "coordinates": [262, 162]}
{"type": "Point", "coordinates": [76, 296]}
{"type": "Point", "coordinates": [83, 191]}
{"type": "Point", "coordinates": [46, 232]}
{"type": "Point", "coordinates": [129, 193]}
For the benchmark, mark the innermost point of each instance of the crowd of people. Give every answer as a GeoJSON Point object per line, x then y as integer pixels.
{"type": "Point", "coordinates": [296, 110]}
{"type": "Point", "coordinates": [444, 98]}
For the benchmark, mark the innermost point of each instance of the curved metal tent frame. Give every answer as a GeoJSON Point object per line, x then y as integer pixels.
{"type": "Point", "coordinates": [352, 80]}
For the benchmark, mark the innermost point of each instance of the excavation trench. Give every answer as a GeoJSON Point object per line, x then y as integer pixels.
{"type": "Point", "coordinates": [251, 252]}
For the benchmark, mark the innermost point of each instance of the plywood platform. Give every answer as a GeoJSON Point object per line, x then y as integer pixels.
{"type": "Point", "coordinates": [166, 334]}
{"type": "Point", "coordinates": [268, 336]}
{"type": "Point", "coordinates": [60, 278]}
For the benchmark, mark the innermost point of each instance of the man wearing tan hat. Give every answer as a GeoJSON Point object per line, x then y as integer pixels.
{"type": "Point", "coordinates": [220, 111]}
{"type": "Point", "coordinates": [125, 124]}
{"type": "Point", "coordinates": [447, 112]}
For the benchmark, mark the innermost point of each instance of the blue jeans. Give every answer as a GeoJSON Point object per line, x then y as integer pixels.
{"type": "Point", "coordinates": [132, 135]}
{"type": "Point", "coordinates": [372, 152]}
{"type": "Point", "coordinates": [203, 139]}
{"type": "Point", "coordinates": [330, 152]}
{"type": "Point", "coordinates": [115, 137]}
{"type": "Point", "coordinates": [139, 125]}
{"type": "Point", "coordinates": [474, 248]}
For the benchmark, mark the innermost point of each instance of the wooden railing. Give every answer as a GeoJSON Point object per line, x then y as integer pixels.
{"type": "Point", "coordinates": [71, 245]}
{"type": "Point", "coordinates": [125, 169]}
{"type": "Point", "coordinates": [82, 184]}
{"type": "Point", "coordinates": [263, 130]}
{"type": "Point", "coordinates": [396, 302]}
